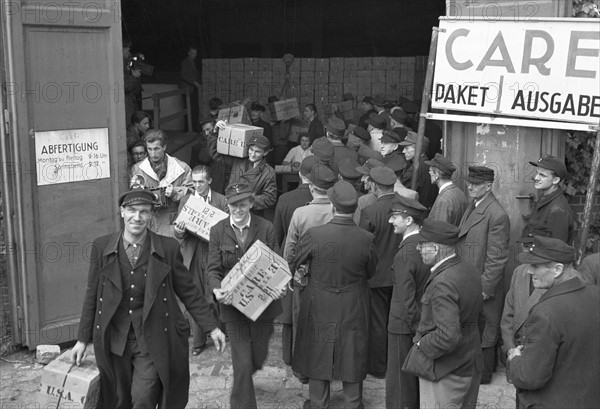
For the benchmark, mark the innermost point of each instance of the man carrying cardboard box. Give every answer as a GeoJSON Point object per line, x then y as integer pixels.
{"type": "Point", "coordinates": [130, 311]}
{"type": "Point", "coordinates": [229, 240]}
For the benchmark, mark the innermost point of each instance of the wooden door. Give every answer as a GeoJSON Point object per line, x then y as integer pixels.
{"type": "Point", "coordinates": [66, 74]}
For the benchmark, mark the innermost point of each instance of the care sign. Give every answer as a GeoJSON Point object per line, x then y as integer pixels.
{"type": "Point", "coordinates": [72, 155]}
{"type": "Point", "coordinates": [538, 68]}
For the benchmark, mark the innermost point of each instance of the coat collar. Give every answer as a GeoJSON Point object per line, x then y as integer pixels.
{"type": "Point", "coordinates": [444, 266]}
{"type": "Point", "coordinates": [569, 286]}
{"type": "Point", "coordinates": [476, 215]}
{"type": "Point", "coordinates": [544, 200]}
{"type": "Point", "coordinates": [346, 221]}
{"type": "Point", "coordinates": [155, 244]}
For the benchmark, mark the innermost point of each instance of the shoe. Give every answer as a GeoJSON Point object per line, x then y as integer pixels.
{"type": "Point", "coordinates": [198, 350]}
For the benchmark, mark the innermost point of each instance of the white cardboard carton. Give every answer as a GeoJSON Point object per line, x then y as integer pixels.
{"type": "Point", "coordinates": [233, 139]}
{"type": "Point", "coordinates": [284, 109]}
{"type": "Point", "coordinates": [234, 114]}
{"type": "Point", "coordinates": [200, 217]}
{"type": "Point", "coordinates": [66, 385]}
{"type": "Point", "coordinates": [256, 278]}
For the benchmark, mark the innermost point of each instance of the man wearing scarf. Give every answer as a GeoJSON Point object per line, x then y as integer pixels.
{"type": "Point", "coordinates": [167, 176]}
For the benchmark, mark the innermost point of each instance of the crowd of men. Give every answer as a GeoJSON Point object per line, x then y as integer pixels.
{"type": "Point", "coordinates": [397, 273]}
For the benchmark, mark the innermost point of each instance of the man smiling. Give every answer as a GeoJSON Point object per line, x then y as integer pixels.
{"type": "Point", "coordinates": [552, 209]}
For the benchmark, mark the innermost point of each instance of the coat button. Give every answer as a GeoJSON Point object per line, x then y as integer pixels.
{"type": "Point", "coordinates": [165, 330]}
{"type": "Point", "coordinates": [132, 285]}
{"type": "Point", "coordinates": [165, 299]}
{"type": "Point", "coordinates": [131, 299]}
{"type": "Point", "coordinates": [164, 285]}
{"type": "Point", "coordinates": [132, 273]}
{"type": "Point", "coordinates": [167, 314]}
{"type": "Point", "coordinates": [97, 326]}
{"type": "Point", "coordinates": [100, 299]}
{"type": "Point", "coordinates": [100, 312]}
{"type": "Point", "coordinates": [130, 311]}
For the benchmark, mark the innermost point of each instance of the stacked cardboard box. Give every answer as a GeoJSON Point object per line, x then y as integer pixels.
{"type": "Point", "coordinates": [233, 139]}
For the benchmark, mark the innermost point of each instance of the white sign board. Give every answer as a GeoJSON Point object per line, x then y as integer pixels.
{"type": "Point", "coordinates": [533, 68]}
{"type": "Point", "coordinates": [72, 155]}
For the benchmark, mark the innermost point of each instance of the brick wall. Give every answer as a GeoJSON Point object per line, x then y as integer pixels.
{"type": "Point", "coordinates": [577, 204]}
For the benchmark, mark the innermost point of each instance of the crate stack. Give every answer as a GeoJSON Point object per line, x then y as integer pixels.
{"type": "Point", "coordinates": [321, 81]}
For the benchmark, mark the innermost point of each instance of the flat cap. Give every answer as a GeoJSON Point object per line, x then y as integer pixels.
{"type": "Point", "coordinates": [411, 139]}
{"type": "Point", "coordinates": [391, 137]}
{"type": "Point", "coordinates": [533, 229]}
{"type": "Point", "coordinates": [442, 163]}
{"type": "Point", "coordinates": [322, 176]}
{"type": "Point", "coordinates": [343, 197]}
{"type": "Point", "coordinates": [383, 175]}
{"type": "Point", "coordinates": [368, 100]}
{"type": "Point", "coordinates": [438, 231]}
{"type": "Point", "coordinates": [323, 149]}
{"type": "Point", "coordinates": [307, 164]}
{"type": "Point", "coordinates": [395, 162]}
{"type": "Point", "coordinates": [407, 206]}
{"type": "Point", "coordinates": [137, 195]}
{"type": "Point", "coordinates": [237, 191]}
{"type": "Point", "coordinates": [336, 126]}
{"type": "Point", "coordinates": [547, 249]}
{"type": "Point", "coordinates": [260, 141]}
{"type": "Point", "coordinates": [552, 163]}
{"type": "Point", "coordinates": [347, 168]}
{"type": "Point", "coordinates": [399, 116]}
{"type": "Point", "coordinates": [365, 169]}
{"type": "Point", "coordinates": [480, 174]}
{"type": "Point", "coordinates": [361, 133]}
{"type": "Point", "coordinates": [376, 121]}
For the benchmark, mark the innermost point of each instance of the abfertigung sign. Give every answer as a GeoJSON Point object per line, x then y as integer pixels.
{"type": "Point", "coordinates": [543, 69]}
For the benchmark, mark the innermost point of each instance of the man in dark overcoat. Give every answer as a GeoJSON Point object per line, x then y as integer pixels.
{"type": "Point", "coordinates": [195, 249]}
{"type": "Point", "coordinates": [484, 236]}
{"type": "Point", "coordinates": [555, 363]}
{"type": "Point", "coordinates": [451, 203]}
{"type": "Point", "coordinates": [249, 340]}
{"type": "Point", "coordinates": [290, 201]}
{"type": "Point", "coordinates": [447, 345]}
{"type": "Point", "coordinates": [410, 275]}
{"type": "Point", "coordinates": [375, 219]}
{"type": "Point", "coordinates": [333, 323]}
{"type": "Point", "coordinates": [131, 314]}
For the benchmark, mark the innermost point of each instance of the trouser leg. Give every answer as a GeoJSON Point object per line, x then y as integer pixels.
{"type": "Point", "coordinates": [242, 391]}
{"type": "Point", "coordinates": [318, 392]}
{"type": "Point", "coordinates": [353, 395]}
{"type": "Point", "coordinates": [401, 388]}
{"type": "Point", "coordinates": [380, 310]}
{"type": "Point", "coordinates": [146, 386]}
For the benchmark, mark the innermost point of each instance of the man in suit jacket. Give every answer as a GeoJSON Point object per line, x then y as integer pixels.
{"type": "Point", "coordinates": [375, 219]}
{"type": "Point", "coordinates": [333, 321]}
{"type": "Point", "coordinates": [195, 249]}
{"type": "Point", "coordinates": [447, 344]}
{"type": "Point", "coordinates": [290, 201]}
{"type": "Point", "coordinates": [410, 276]}
{"type": "Point", "coordinates": [451, 202]}
{"type": "Point", "coordinates": [130, 312]}
{"type": "Point", "coordinates": [556, 361]}
{"type": "Point", "coordinates": [484, 236]}
{"type": "Point", "coordinates": [229, 240]}
{"type": "Point", "coordinates": [590, 269]}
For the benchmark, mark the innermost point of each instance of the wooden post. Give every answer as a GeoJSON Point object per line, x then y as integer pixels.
{"type": "Point", "coordinates": [589, 200]}
{"type": "Point", "coordinates": [424, 104]}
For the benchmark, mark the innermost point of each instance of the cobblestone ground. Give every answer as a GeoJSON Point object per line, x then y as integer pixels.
{"type": "Point", "coordinates": [211, 379]}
